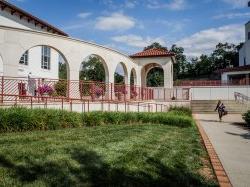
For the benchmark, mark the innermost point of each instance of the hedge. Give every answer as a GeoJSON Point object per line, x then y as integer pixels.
{"type": "Point", "coordinates": [246, 117]}
{"type": "Point", "coordinates": [23, 119]}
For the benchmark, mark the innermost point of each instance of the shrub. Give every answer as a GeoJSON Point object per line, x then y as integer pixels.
{"type": "Point", "coordinates": [23, 119]}
{"type": "Point", "coordinates": [246, 117]}
{"type": "Point", "coordinates": [61, 88]}
{"type": "Point", "coordinates": [180, 110]}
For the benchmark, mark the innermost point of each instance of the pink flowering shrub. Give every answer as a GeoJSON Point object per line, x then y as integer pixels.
{"type": "Point", "coordinates": [45, 89]}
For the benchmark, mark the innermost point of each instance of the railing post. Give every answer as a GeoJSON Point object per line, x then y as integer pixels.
{"type": "Point", "coordinates": [31, 102]}
{"type": "Point", "coordinates": [164, 94]}
{"type": "Point", "coordinates": [81, 89]}
{"type": "Point", "coordinates": [46, 102]}
{"type": "Point", "coordinates": [88, 105]}
{"type": "Point", "coordinates": [70, 105]}
{"type": "Point", "coordinates": [2, 90]}
{"type": "Point", "coordinates": [111, 90]}
{"type": "Point", "coordinates": [68, 89]}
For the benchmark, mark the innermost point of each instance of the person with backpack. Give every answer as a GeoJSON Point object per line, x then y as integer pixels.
{"type": "Point", "coordinates": [221, 110]}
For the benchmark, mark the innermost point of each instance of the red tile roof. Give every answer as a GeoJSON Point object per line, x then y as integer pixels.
{"type": "Point", "coordinates": [23, 14]}
{"type": "Point", "coordinates": [241, 68]}
{"type": "Point", "coordinates": [153, 53]}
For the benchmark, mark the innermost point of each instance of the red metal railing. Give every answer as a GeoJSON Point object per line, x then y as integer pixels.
{"type": "Point", "coordinates": [79, 105]}
{"type": "Point", "coordinates": [212, 82]}
{"type": "Point", "coordinates": [79, 90]}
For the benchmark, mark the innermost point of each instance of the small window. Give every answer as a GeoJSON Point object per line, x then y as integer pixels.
{"type": "Point", "coordinates": [248, 37]}
{"type": "Point", "coordinates": [45, 63]}
{"type": "Point", "coordinates": [24, 59]}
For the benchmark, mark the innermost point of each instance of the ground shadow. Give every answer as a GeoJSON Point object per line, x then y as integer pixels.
{"type": "Point", "coordinates": [243, 135]}
{"type": "Point", "coordinates": [214, 121]}
{"type": "Point", "coordinates": [93, 171]}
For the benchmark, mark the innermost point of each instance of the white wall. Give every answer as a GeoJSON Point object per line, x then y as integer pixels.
{"type": "Point", "coordinates": [1, 66]}
{"type": "Point", "coordinates": [9, 20]}
{"type": "Point", "coordinates": [34, 65]}
{"type": "Point", "coordinates": [220, 92]}
{"type": "Point", "coordinates": [166, 64]}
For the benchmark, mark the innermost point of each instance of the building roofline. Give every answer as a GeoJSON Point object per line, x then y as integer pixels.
{"type": "Point", "coordinates": [22, 13]}
{"type": "Point", "coordinates": [247, 22]}
{"type": "Point", "coordinates": [153, 53]}
{"type": "Point", "coordinates": [67, 38]}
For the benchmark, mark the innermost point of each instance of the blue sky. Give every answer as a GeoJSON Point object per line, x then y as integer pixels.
{"type": "Point", "coordinates": [130, 25]}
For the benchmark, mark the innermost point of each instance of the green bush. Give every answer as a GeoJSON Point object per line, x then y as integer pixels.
{"type": "Point", "coordinates": [246, 117]}
{"type": "Point", "coordinates": [61, 88]}
{"type": "Point", "coordinates": [180, 110]}
{"type": "Point", "coordinates": [118, 118]}
{"type": "Point", "coordinates": [23, 119]}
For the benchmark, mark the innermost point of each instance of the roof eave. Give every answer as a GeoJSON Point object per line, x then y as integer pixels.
{"type": "Point", "coordinates": [4, 4]}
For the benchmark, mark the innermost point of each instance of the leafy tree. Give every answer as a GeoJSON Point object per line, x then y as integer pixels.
{"type": "Point", "coordinates": [92, 70]}
{"type": "Point", "coordinates": [62, 70]}
{"type": "Point", "coordinates": [225, 55]}
{"type": "Point", "coordinates": [181, 62]}
{"type": "Point", "coordinates": [132, 78]}
{"type": "Point", "coordinates": [155, 45]}
{"type": "Point", "coordinates": [119, 79]}
{"type": "Point", "coordinates": [155, 77]}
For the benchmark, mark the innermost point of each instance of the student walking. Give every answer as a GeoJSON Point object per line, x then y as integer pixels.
{"type": "Point", "coordinates": [221, 109]}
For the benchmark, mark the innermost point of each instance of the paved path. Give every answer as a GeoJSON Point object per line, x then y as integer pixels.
{"type": "Point", "coordinates": [231, 141]}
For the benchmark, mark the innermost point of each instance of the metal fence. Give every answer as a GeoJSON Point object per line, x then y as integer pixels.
{"type": "Point", "coordinates": [233, 82]}
{"type": "Point", "coordinates": [52, 89]}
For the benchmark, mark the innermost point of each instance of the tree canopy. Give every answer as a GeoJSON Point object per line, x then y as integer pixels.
{"type": "Point", "coordinates": [92, 70]}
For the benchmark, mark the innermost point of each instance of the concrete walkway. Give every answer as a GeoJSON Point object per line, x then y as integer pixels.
{"type": "Point", "coordinates": [231, 141]}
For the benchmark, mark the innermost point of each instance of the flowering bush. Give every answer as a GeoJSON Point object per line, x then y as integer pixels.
{"type": "Point", "coordinates": [121, 90]}
{"type": "Point", "coordinates": [133, 94]}
{"type": "Point", "coordinates": [98, 91]}
{"type": "Point", "coordinates": [45, 89]}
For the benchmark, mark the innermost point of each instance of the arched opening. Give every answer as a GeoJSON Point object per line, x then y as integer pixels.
{"type": "Point", "coordinates": [1, 66]}
{"type": "Point", "coordinates": [133, 88]}
{"type": "Point", "coordinates": [121, 74]}
{"type": "Point", "coordinates": [94, 78]}
{"type": "Point", "coordinates": [133, 77]}
{"type": "Point", "coordinates": [121, 81]}
{"type": "Point", "coordinates": [43, 61]}
{"type": "Point", "coordinates": [47, 71]}
{"type": "Point", "coordinates": [153, 75]}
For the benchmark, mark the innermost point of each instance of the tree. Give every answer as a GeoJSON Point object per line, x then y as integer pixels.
{"type": "Point", "coordinates": [119, 79]}
{"type": "Point", "coordinates": [155, 77]}
{"type": "Point", "coordinates": [154, 45]}
{"type": "Point", "coordinates": [181, 62]}
{"type": "Point", "coordinates": [225, 55]}
{"type": "Point", "coordinates": [93, 70]}
{"type": "Point", "coordinates": [62, 70]}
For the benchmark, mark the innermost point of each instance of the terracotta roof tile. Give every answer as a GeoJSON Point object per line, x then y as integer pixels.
{"type": "Point", "coordinates": [153, 53]}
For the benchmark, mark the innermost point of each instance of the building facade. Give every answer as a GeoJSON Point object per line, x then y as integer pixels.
{"type": "Point", "coordinates": [242, 72]}
{"type": "Point", "coordinates": [29, 45]}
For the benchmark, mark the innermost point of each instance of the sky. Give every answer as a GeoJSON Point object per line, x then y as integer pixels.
{"type": "Point", "coordinates": [130, 25]}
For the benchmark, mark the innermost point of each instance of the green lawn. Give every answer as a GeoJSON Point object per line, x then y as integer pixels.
{"type": "Point", "coordinates": [114, 155]}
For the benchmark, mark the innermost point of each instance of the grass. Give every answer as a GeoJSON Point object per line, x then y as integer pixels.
{"type": "Point", "coordinates": [113, 155]}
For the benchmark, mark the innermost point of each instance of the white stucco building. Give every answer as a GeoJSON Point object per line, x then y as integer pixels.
{"type": "Point", "coordinates": [28, 44]}
{"type": "Point", "coordinates": [243, 71]}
